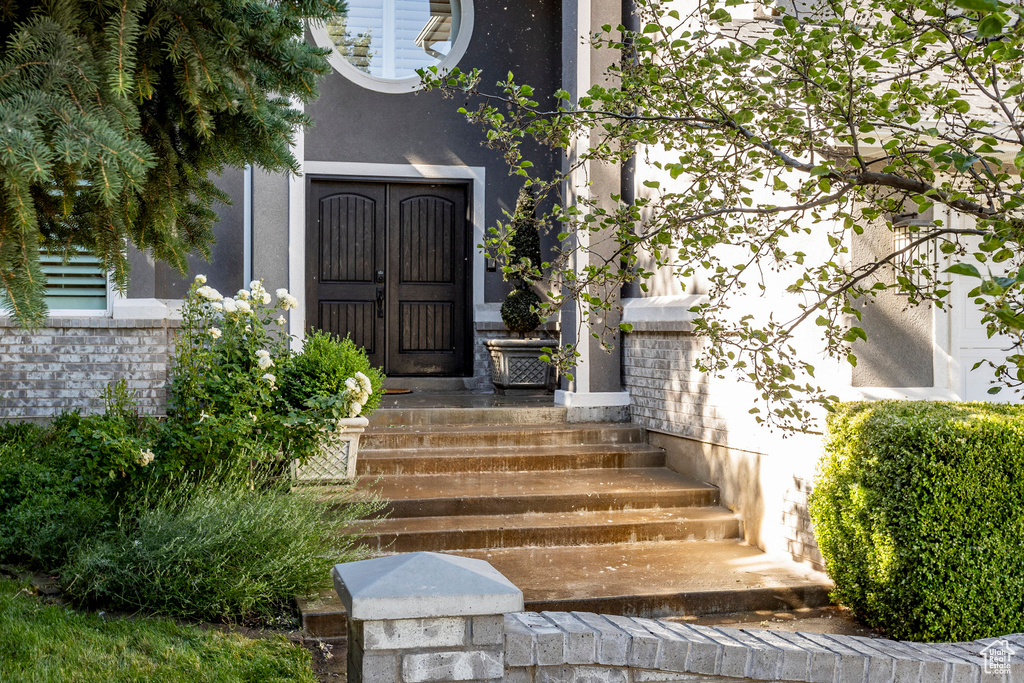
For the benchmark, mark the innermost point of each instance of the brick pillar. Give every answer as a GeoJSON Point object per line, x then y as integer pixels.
{"type": "Point", "coordinates": [425, 617]}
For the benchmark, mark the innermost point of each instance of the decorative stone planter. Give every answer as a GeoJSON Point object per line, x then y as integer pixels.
{"type": "Point", "coordinates": [337, 460]}
{"type": "Point", "coordinates": [516, 365]}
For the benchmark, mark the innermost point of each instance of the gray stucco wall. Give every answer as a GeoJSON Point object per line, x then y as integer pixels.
{"type": "Point", "coordinates": [898, 352]}
{"type": "Point", "coordinates": [354, 124]}
{"type": "Point", "coordinates": [223, 270]}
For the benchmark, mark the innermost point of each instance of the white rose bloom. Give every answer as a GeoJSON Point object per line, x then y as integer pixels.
{"type": "Point", "coordinates": [281, 320]}
{"type": "Point", "coordinates": [209, 293]}
{"type": "Point", "coordinates": [264, 363]}
{"type": "Point", "coordinates": [265, 298]}
{"type": "Point", "coordinates": [354, 409]}
{"type": "Point", "coordinates": [243, 307]}
{"type": "Point", "coordinates": [217, 306]}
{"type": "Point", "coordinates": [263, 353]}
{"type": "Point", "coordinates": [201, 279]}
{"type": "Point", "coordinates": [270, 379]}
{"type": "Point", "coordinates": [351, 384]}
{"type": "Point", "coordinates": [364, 383]}
{"type": "Point", "coordinates": [256, 286]}
{"type": "Point", "coordinates": [145, 457]}
{"type": "Point", "coordinates": [243, 294]}
{"type": "Point", "coordinates": [281, 293]}
{"type": "Point", "coordinates": [214, 332]}
{"type": "Point", "coordinates": [229, 305]}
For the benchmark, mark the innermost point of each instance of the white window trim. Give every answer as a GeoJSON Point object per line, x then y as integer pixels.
{"type": "Point", "coordinates": [377, 172]}
{"type": "Point", "coordinates": [395, 86]}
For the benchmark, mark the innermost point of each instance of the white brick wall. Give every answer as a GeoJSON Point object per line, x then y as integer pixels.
{"type": "Point", "coordinates": [67, 364]}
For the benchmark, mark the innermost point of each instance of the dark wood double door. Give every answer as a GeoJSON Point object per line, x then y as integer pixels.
{"type": "Point", "coordinates": [388, 264]}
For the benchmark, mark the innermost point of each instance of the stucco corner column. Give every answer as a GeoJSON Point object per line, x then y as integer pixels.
{"type": "Point", "coordinates": [425, 617]}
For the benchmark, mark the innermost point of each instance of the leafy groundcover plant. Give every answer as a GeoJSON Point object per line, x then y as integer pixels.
{"type": "Point", "coordinates": [192, 516]}
{"type": "Point", "coordinates": [918, 509]}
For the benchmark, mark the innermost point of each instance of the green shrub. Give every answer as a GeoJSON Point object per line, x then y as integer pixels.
{"type": "Point", "coordinates": [518, 311]}
{"type": "Point", "coordinates": [919, 513]}
{"type": "Point", "coordinates": [222, 549]}
{"type": "Point", "coordinates": [46, 509]}
{"type": "Point", "coordinates": [223, 406]}
{"type": "Point", "coordinates": [116, 446]}
{"type": "Point", "coordinates": [525, 241]}
{"type": "Point", "coordinates": [323, 368]}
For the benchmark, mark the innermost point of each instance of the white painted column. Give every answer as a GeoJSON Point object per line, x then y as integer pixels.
{"type": "Point", "coordinates": [297, 239]}
{"type": "Point", "coordinates": [578, 77]}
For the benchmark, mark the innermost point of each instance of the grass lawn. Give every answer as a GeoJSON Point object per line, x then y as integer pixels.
{"type": "Point", "coordinates": [41, 642]}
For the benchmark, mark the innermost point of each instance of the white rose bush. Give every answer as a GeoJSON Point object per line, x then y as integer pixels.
{"type": "Point", "coordinates": [232, 362]}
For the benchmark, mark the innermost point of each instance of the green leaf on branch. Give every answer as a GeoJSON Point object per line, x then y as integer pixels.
{"type": "Point", "coordinates": [963, 269]}
{"type": "Point", "coordinates": [978, 5]}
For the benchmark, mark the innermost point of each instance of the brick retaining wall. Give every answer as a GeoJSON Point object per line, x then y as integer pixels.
{"type": "Point", "coordinates": [561, 647]}
{"type": "Point", "coordinates": [67, 363]}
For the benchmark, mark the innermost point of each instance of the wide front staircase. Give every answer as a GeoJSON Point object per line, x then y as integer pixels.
{"type": "Point", "coordinates": [579, 516]}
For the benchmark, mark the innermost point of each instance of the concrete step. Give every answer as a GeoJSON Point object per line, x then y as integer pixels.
{"type": "Point", "coordinates": [662, 579]}
{"type": "Point", "coordinates": [431, 385]}
{"type": "Point", "coordinates": [495, 493]}
{"type": "Point", "coordinates": [510, 436]}
{"type": "Point", "coordinates": [442, 534]}
{"type": "Point", "coordinates": [373, 462]}
{"type": "Point", "coordinates": [493, 415]}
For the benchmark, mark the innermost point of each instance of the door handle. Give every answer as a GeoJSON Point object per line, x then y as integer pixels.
{"type": "Point", "coordinates": [380, 302]}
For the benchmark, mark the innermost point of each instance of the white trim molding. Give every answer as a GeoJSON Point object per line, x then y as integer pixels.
{"type": "Point", "coordinates": [897, 394]}
{"type": "Point", "coordinates": [661, 313]}
{"type": "Point", "coordinates": [141, 309]}
{"type": "Point", "coordinates": [591, 399]}
{"type": "Point", "coordinates": [247, 226]}
{"type": "Point", "coordinates": [396, 86]}
{"type": "Point", "coordinates": [476, 175]}
{"type": "Point", "coordinates": [297, 238]}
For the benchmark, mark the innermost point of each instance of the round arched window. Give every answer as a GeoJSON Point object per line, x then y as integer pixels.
{"type": "Point", "coordinates": [381, 43]}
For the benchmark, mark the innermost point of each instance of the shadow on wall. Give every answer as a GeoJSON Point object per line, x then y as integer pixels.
{"type": "Point", "coordinates": [765, 481]}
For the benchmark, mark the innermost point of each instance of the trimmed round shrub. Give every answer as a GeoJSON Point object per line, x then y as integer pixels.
{"type": "Point", "coordinates": [918, 510]}
{"type": "Point", "coordinates": [517, 311]}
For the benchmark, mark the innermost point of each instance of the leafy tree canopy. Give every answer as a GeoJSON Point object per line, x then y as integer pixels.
{"type": "Point", "coordinates": [115, 113]}
{"type": "Point", "coordinates": [769, 145]}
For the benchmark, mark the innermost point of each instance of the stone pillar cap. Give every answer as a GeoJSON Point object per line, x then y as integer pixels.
{"type": "Point", "coordinates": [423, 585]}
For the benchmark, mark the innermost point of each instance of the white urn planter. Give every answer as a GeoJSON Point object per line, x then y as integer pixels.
{"type": "Point", "coordinates": [516, 365]}
{"type": "Point", "coordinates": [336, 461]}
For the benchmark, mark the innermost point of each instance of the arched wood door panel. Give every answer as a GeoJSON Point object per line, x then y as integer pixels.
{"type": "Point", "coordinates": [388, 264]}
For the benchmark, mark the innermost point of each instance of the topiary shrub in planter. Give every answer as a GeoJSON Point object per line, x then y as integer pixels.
{"type": "Point", "coordinates": [918, 509]}
{"type": "Point", "coordinates": [516, 363]}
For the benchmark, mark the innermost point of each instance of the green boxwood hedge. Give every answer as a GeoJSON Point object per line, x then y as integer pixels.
{"type": "Point", "coordinates": [918, 509]}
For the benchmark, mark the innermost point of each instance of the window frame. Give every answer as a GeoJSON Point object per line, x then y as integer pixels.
{"type": "Point", "coordinates": [396, 86]}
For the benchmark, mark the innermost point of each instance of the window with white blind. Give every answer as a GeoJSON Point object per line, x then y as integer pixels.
{"type": "Point", "coordinates": [388, 40]}
{"type": "Point", "coordinates": [74, 281]}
